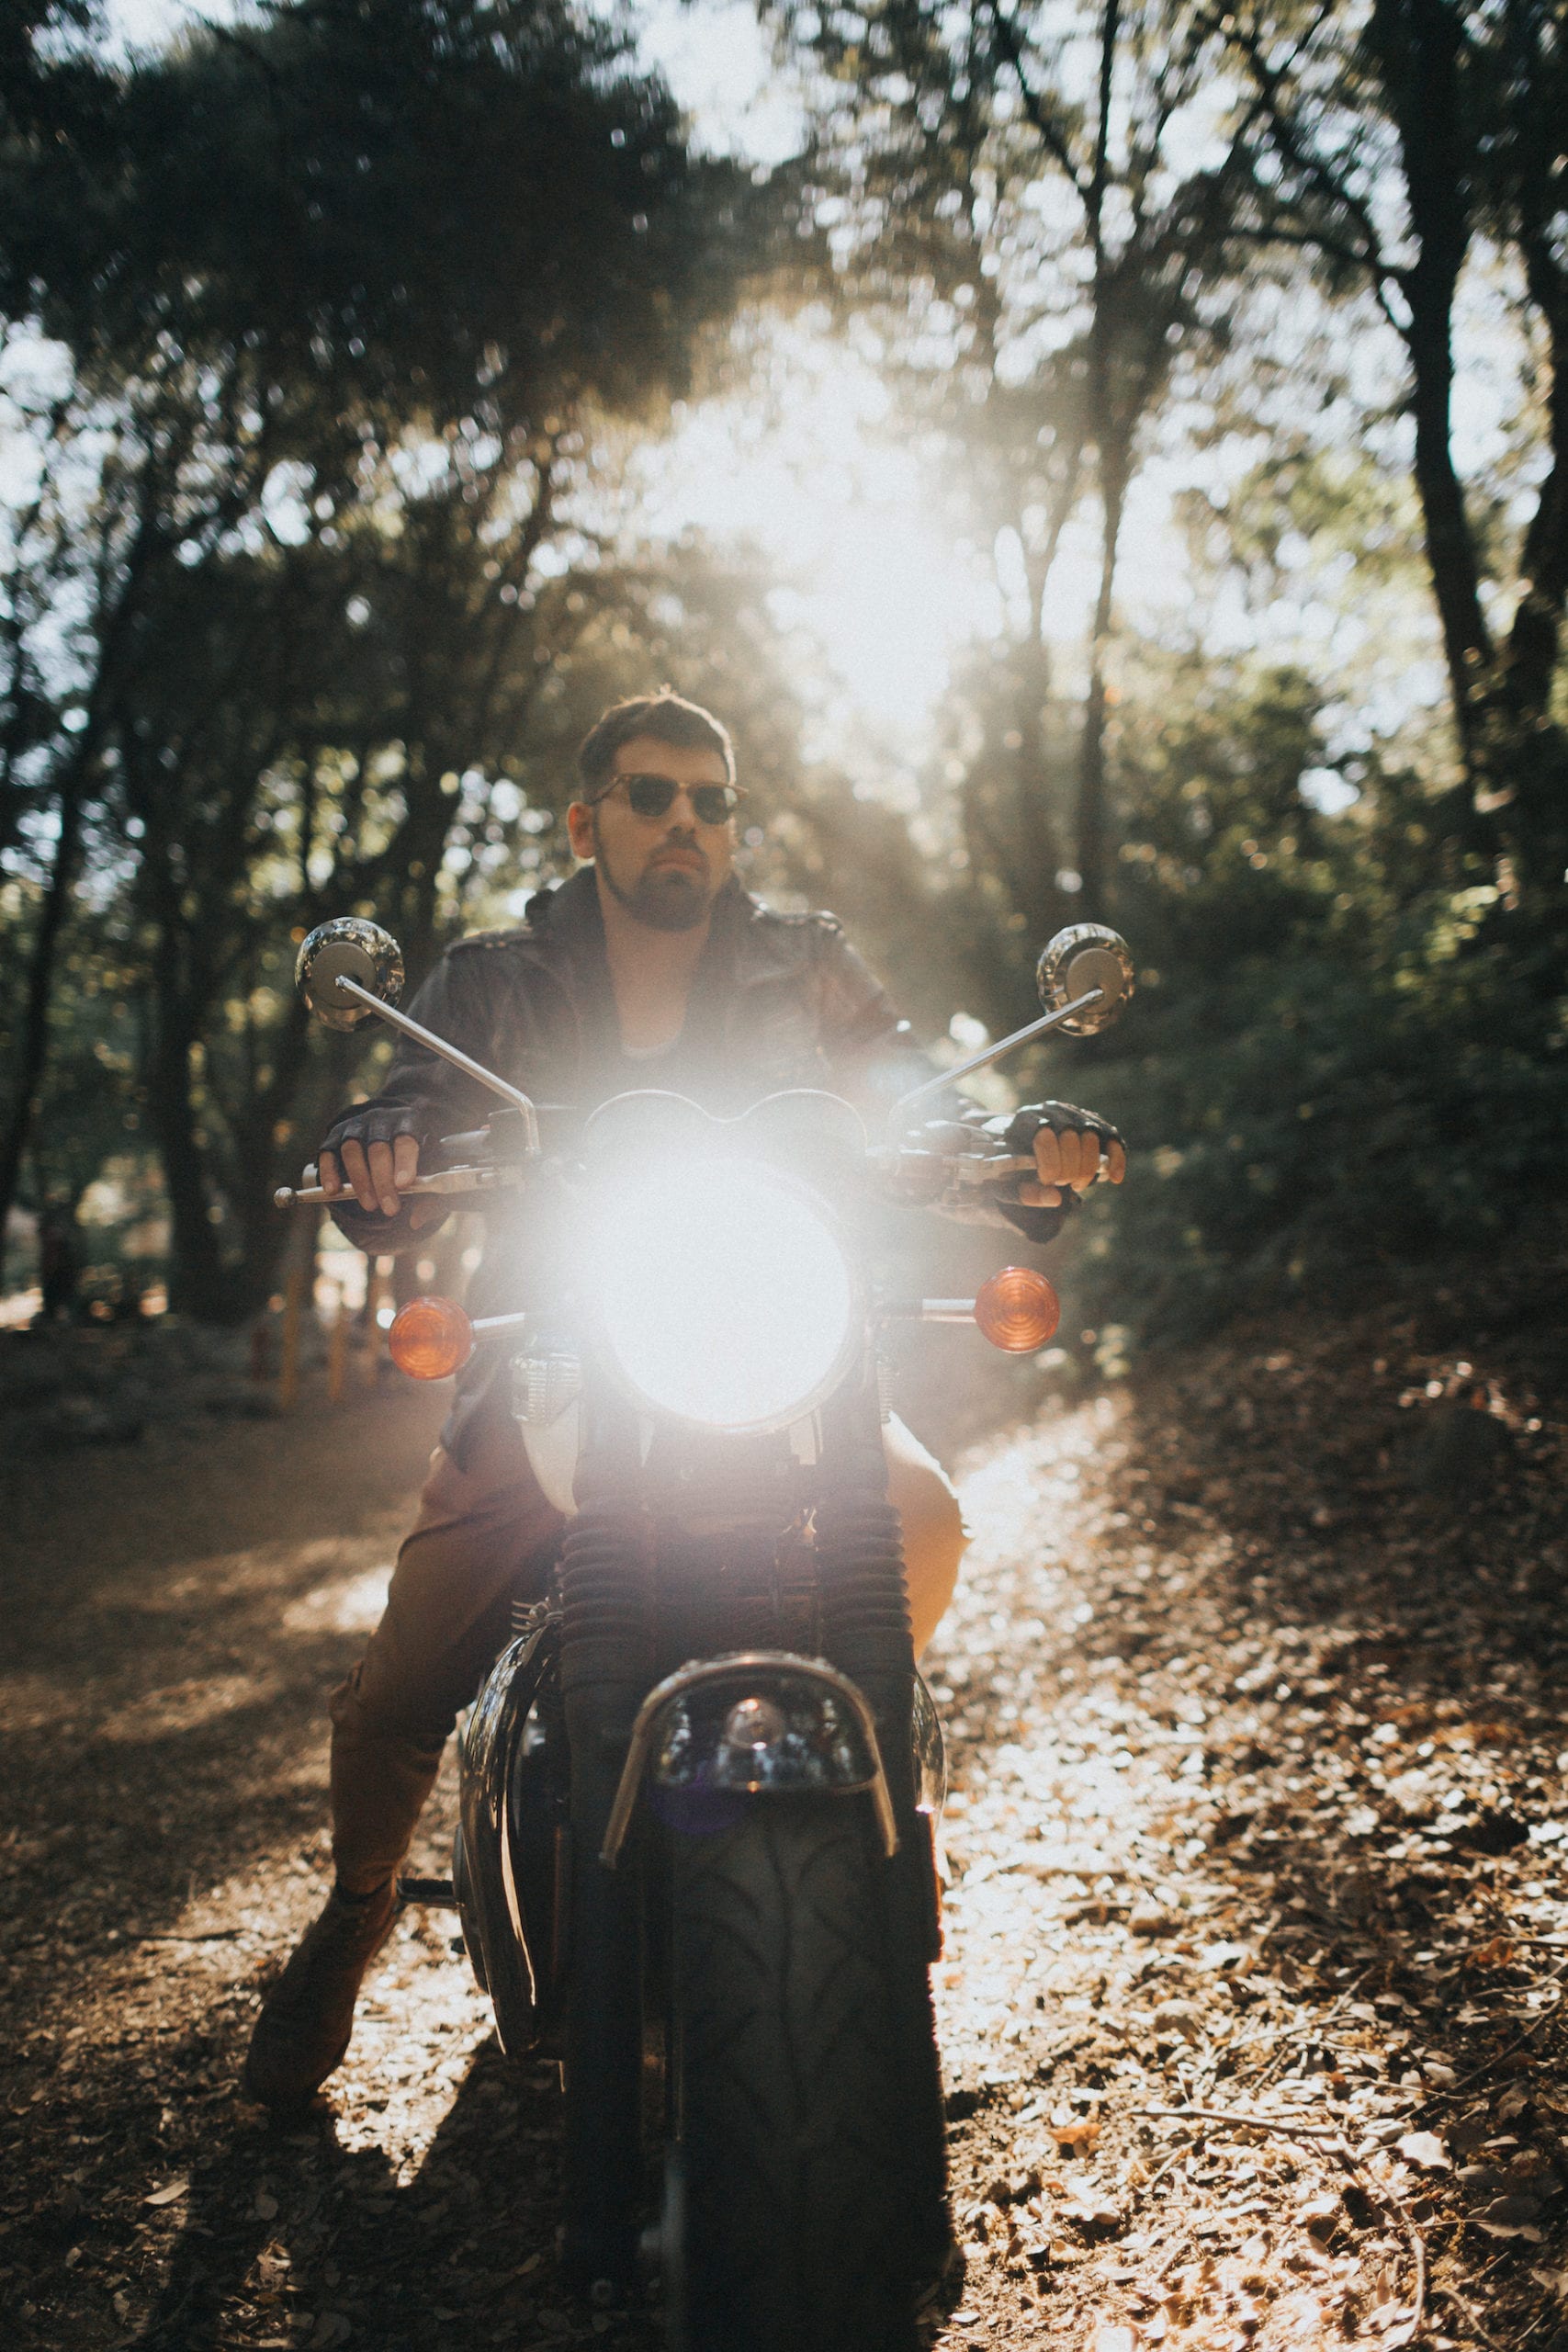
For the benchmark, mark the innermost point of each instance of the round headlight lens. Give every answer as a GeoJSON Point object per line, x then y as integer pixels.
{"type": "Point", "coordinates": [725, 1297]}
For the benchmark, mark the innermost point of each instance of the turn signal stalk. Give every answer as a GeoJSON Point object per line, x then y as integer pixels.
{"type": "Point", "coordinates": [1017, 1311]}
{"type": "Point", "coordinates": [430, 1338]}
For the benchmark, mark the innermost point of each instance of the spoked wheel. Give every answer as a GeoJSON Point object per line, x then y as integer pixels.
{"type": "Point", "coordinates": [794, 2087]}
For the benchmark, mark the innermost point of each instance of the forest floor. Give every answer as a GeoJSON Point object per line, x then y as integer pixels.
{"type": "Point", "coordinates": [1257, 1925]}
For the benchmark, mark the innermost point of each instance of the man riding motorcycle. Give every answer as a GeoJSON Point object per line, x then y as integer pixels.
{"type": "Point", "coordinates": [650, 969]}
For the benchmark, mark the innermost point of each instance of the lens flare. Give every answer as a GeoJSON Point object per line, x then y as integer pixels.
{"type": "Point", "coordinates": [725, 1297]}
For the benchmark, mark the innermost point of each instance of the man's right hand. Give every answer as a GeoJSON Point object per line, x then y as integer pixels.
{"type": "Point", "coordinates": [377, 1177]}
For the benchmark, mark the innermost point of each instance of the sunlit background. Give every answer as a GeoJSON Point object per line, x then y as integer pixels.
{"type": "Point", "coordinates": [814, 469]}
{"type": "Point", "coordinates": [814, 474]}
{"type": "Point", "coordinates": [1033, 593]}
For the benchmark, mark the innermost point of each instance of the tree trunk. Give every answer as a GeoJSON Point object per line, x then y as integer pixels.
{"type": "Point", "coordinates": [197, 1283]}
{"type": "Point", "coordinates": [1093, 820]}
{"type": "Point", "coordinates": [34, 1047]}
{"type": "Point", "coordinates": [1537, 825]}
{"type": "Point", "coordinates": [254, 1168]}
{"type": "Point", "coordinates": [1113, 446]}
{"type": "Point", "coordinates": [1036, 892]}
{"type": "Point", "coordinates": [1449, 541]}
{"type": "Point", "coordinates": [196, 1269]}
{"type": "Point", "coordinates": [1418, 47]}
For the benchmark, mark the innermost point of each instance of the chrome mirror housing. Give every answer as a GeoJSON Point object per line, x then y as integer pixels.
{"type": "Point", "coordinates": [1086, 956]}
{"type": "Point", "coordinates": [348, 948]}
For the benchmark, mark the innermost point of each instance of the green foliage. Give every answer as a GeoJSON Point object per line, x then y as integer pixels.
{"type": "Point", "coordinates": [55, 93]}
{"type": "Point", "coordinates": [398, 201]}
{"type": "Point", "coordinates": [341, 300]}
{"type": "Point", "coordinates": [1343, 1059]}
{"type": "Point", "coordinates": [316, 568]}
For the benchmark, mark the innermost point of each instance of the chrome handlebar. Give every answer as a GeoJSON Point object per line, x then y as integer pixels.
{"type": "Point", "coordinates": [927, 1092]}
{"type": "Point", "coordinates": [309, 1195]}
{"type": "Point", "coordinates": [961, 1172]}
{"type": "Point", "coordinates": [1085, 975]}
{"type": "Point", "coordinates": [519, 1101]}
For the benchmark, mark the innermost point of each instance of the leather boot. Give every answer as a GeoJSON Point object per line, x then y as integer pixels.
{"type": "Point", "coordinates": [306, 2021]}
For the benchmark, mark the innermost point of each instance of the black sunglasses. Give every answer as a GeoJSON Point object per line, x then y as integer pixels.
{"type": "Point", "coordinates": [650, 796]}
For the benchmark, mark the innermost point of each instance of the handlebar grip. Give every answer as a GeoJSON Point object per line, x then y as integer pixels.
{"type": "Point", "coordinates": [440, 1180]}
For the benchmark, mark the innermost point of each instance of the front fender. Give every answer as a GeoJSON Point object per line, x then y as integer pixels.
{"type": "Point", "coordinates": [756, 1722]}
{"type": "Point", "coordinates": [509, 1949]}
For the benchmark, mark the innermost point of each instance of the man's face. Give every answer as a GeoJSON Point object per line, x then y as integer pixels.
{"type": "Point", "coordinates": [664, 870]}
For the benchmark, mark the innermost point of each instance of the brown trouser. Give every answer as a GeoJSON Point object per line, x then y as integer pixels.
{"type": "Point", "coordinates": [448, 1617]}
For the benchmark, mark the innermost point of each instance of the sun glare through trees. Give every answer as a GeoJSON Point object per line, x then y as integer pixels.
{"type": "Point", "coordinates": [1101, 462]}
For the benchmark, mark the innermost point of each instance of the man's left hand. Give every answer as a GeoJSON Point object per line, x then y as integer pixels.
{"type": "Point", "coordinates": [1073, 1149]}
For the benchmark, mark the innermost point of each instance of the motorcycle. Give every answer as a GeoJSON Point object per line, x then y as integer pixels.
{"type": "Point", "coordinates": [700, 1785]}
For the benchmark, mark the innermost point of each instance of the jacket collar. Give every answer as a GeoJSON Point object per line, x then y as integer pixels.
{"type": "Point", "coordinates": [563, 913]}
{"type": "Point", "coordinates": [565, 919]}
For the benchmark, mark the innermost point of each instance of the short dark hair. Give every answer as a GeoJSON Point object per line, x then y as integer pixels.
{"type": "Point", "coordinates": [667, 716]}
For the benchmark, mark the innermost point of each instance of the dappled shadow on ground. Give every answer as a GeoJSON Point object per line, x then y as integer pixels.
{"type": "Point", "coordinates": [1254, 1687]}
{"type": "Point", "coordinates": [323, 2236]}
{"type": "Point", "coordinates": [1259, 1813]}
{"type": "Point", "coordinates": [178, 1614]}
{"type": "Point", "coordinates": [175, 1620]}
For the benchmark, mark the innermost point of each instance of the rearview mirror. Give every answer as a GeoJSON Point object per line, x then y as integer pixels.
{"type": "Point", "coordinates": [1087, 956]}
{"type": "Point", "coordinates": [348, 948]}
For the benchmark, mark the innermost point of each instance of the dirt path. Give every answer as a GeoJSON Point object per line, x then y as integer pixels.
{"type": "Point", "coordinates": [1257, 1811]}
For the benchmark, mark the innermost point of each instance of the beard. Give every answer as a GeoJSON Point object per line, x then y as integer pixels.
{"type": "Point", "coordinates": [665, 898]}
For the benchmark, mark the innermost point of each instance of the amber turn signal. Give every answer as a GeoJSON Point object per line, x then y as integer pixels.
{"type": "Point", "coordinates": [430, 1338]}
{"type": "Point", "coordinates": [1017, 1309]}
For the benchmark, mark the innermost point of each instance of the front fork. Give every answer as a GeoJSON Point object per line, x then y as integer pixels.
{"type": "Point", "coordinates": [607, 1668]}
{"type": "Point", "coordinates": [867, 1636]}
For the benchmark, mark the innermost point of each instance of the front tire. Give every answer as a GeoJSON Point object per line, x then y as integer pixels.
{"type": "Point", "coordinates": [792, 2093]}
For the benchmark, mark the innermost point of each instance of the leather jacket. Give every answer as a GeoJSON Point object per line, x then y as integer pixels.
{"type": "Point", "coordinates": [778, 1001]}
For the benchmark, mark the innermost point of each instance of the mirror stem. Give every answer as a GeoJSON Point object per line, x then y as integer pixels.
{"type": "Point", "coordinates": [519, 1101]}
{"type": "Point", "coordinates": [947, 1078]}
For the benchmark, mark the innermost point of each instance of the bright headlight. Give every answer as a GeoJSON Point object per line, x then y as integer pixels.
{"type": "Point", "coordinates": [725, 1297]}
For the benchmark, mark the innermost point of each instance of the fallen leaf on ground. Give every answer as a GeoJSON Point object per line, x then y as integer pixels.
{"type": "Point", "coordinates": [1071, 2131]}
{"type": "Point", "coordinates": [1137, 1834]}
{"type": "Point", "coordinates": [1510, 2217]}
{"type": "Point", "coordinates": [1320, 2214]}
{"type": "Point", "coordinates": [1093, 2212]}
